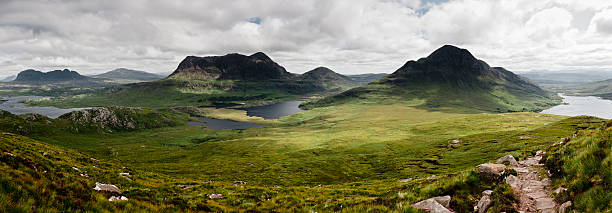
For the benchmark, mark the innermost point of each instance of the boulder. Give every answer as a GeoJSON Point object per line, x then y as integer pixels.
{"type": "Point", "coordinates": [563, 207]}
{"type": "Point", "coordinates": [432, 205]}
{"type": "Point", "coordinates": [106, 187]}
{"type": "Point", "coordinates": [444, 200]}
{"type": "Point", "coordinates": [406, 180]}
{"type": "Point", "coordinates": [485, 202]}
{"type": "Point", "coordinates": [215, 196]}
{"type": "Point", "coordinates": [492, 170]}
{"type": "Point", "coordinates": [507, 160]}
{"type": "Point", "coordinates": [117, 198]}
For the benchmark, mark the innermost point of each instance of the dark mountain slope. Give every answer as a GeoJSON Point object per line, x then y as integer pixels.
{"type": "Point", "coordinates": [52, 76]}
{"type": "Point", "coordinates": [450, 78]}
{"type": "Point", "coordinates": [256, 67]}
{"type": "Point", "coordinates": [364, 79]}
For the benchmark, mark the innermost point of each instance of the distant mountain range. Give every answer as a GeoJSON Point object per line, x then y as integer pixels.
{"type": "Point", "coordinates": [35, 76]}
{"type": "Point", "coordinates": [9, 78]}
{"type": "Point", "coordinates": [450, 78]}
{"type": "Point", "coordinates": [128, 74]}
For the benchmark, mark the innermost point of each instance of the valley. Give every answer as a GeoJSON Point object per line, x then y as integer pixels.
{"type": "Point", "coordinates": [216, 136]}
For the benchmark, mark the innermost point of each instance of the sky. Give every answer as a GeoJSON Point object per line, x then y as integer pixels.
{"type": "Point", "coordinates": [348, 36]}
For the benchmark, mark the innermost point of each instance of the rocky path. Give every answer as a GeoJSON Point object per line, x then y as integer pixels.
{"type": "Point", "coordinates": [533, 191]}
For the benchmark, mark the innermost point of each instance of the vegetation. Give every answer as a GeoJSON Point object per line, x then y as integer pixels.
{"type": "Point", "coordinates": [583, 165]}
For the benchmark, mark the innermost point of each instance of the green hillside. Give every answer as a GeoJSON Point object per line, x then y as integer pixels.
{"type": "Point", "coordinates": [450, 79]}
{"type": "Point", "coordinates": [601, 89]}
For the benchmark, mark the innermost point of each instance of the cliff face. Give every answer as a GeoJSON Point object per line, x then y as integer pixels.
{"type": "Point", "coordinates": [256, 67]}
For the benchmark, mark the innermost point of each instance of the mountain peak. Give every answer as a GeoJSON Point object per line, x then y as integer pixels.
{"type": "Point", "coordinates": [233, 66]}
{"type": "Point", "coordinates": [451, 54]}
{"type": "Point", "coordinates": [261, 56]}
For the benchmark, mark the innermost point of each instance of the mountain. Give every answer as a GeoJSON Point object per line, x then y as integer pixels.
{"type": "Point", "coordinates": [9, 78]}
{"type": "Point", "coordinates": [256, 67]}
{"type": "Point", "coordinates": [601, 89]}
{"type": "Point", "coordinates": [450, 77]}
{"type": "Point", "coordinates": [367, 78]}
{"type": "Point", "coordinates": [219, 80]}
{"type": "Point", "coordinates": [128, 74]}
{"type": "Point", "coordinates": [52, 76]}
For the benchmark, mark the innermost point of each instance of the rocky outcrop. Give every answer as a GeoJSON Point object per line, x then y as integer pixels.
{"type": "Point", "coordinates": [111, 119]}
{"type": "Point", "coordinates": [52, 76]}
{"type": "Point", "coordinates": [491, 170]}
{"type": "Point", "coordinates": [485, 202]}
{"type": "Point", "coordinates": [434, 205]}
{"type": "Point", "coordinates": [256, 67]}
{"type": "Point", "coordinates": [102, 187]}
{"type": "Point", "coordinates": [117, 198]}
{"type": "Point", "coordinates": [507, 160]}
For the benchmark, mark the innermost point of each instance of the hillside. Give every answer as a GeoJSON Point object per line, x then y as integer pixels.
{"type": "Point", "coordinates": [9, 78]}
{"type": "Point", "coordinates": [601, 89]}
{"type": "Point", "coordinates": [450, 78]}
{"type": "Point", "coordinates": [128, 74]}
{"type": "Point", "coordinates": [367, 78]}
{"type": "Point", "coordinates": [214, 80]}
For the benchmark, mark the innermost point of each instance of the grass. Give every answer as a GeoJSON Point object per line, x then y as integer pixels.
{"type": "Point", "coordinates": [583, 165]}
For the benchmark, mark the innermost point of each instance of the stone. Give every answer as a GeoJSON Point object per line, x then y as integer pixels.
{"type": "Point", "coordinates": [444, 200]}
{"type": "Point", "coordinates": [431, 177]}
{"type": "Point", "coordinates": [406, 180]}
{"type": "Point", "coordinates": [431, 205]}
{"type": "Point", "coordinates": [545, 203]}
{"type": "Point", "coordinates": [524, 137]}
{"type": "Point", "coordinates": [560, 190]}
{"type": "Point", "coordinates": [492, 170]}
{"type": "Point", "coordinates": [487, 192]}
{"type": "Point", "coordinates": [483, 204]}
{"type": "Point", "coordinates": [106, 187]}
{"type": "Point", "coordinates": [514, 182]}
{"type": "Point", "coordinates": [563, 207]}
{"type": "Point", "coordinates": [456, 141]}
{"type": "Point", "coordinates": [215, 196]}
{"type": "Point", "coordinates": [507, 160]}
{"type": "Point", "coordinates": [117, 198]}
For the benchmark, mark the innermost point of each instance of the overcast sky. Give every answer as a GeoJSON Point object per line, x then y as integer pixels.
{"type": "Point", "coordinates": [348, 36]}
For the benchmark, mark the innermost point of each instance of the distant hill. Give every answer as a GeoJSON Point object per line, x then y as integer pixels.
{"type": "Point", "coordinates": [52, 76]}
{"type": "Point", "coordinates": [212, 80]}
{"type": "Point", "coordinates": [9, 78]}
{"type": "Point", "coordinates": [367, 78]}
{"type": "Point", "coordinates": [256, 67]}
{"type": "Point", "coordinates": [128, 74]}
{"type": "Point", "coordinates": [601, 89]}
{"type": "Point", "coordinates": [450, 78]}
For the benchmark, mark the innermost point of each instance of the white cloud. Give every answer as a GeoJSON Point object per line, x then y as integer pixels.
{"type": "Point", "coordinates": [350, 36]}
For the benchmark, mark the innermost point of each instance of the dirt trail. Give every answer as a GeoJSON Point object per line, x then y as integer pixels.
{"type": "Point", "coordinates": [533, 191]}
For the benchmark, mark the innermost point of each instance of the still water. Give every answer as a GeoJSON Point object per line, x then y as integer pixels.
{"type": "Point", "coordinates": [276, 110]}
{"type": "Point", "coordinates": [582, 105]}
{"type": "Point", "coordinates": [14, 105]}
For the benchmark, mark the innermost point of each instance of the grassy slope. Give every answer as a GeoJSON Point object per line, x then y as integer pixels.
{"type": "Point", "coordinates": [601, 89]}
{"type": "Point", "coordinates": [584, 166]}
{"type": "Point", "coordinates": [440, 97]}
{"type": "Point", "coordinates": [358, 151]}
{"type": "Point", "coordinates": [195, 92]}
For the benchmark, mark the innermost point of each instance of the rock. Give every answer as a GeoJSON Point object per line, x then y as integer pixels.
{"type": "Point", "coordinates": [560, 190]}
{"type": "Point", "coordinates": [406, 180]}
{"type": "Point", "coordinates": [117, 198]}
{"type": "Point", "coordinates": [487, 192]}
{"type": "Point", "coordinates": [524, 137]}
{"type": "Point", "coordinates": [456, 141]}
{"type": "Point", "coordinates": [540, 153]}
{"type": "Point", "coordinates": [431, 205]}
{"type": "Point", "coordinates": [444, 200]}
{"type": "Point", "coordinates": [545, 203]}
{"type": "Point", "coordinates": [492, 170]}
{"type": "Point", "coordinates": [483, 204]}
{"type": "Point", "coordinates": [125, 174]}
{"type": "Point", "coordinates": [431, 177]}
{"type": "Point", "coordinates": [507, 160]}
{"type": "Point", "coordinates": [215, 196]}
{"type": "Point", "coordinates": [563, 207]}
{"type": "Point", "coordinates": [106, 187]}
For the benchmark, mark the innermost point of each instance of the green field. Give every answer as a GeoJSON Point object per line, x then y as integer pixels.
{"type": "Point", "coordinates": [357, 152]}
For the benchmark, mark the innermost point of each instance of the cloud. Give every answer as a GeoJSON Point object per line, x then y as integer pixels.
{"type": "Point", "coordinates": [349, 36]}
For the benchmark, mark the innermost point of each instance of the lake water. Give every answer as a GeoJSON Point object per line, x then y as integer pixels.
{"type": "Point", "coordinates": [14, 105]}
{"type": "Point", "coordinates": [219, 124]}
{"type": "Point", "coordinates": [276, 110]}
{"type": "Point", "coordinates": [582, 105]}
